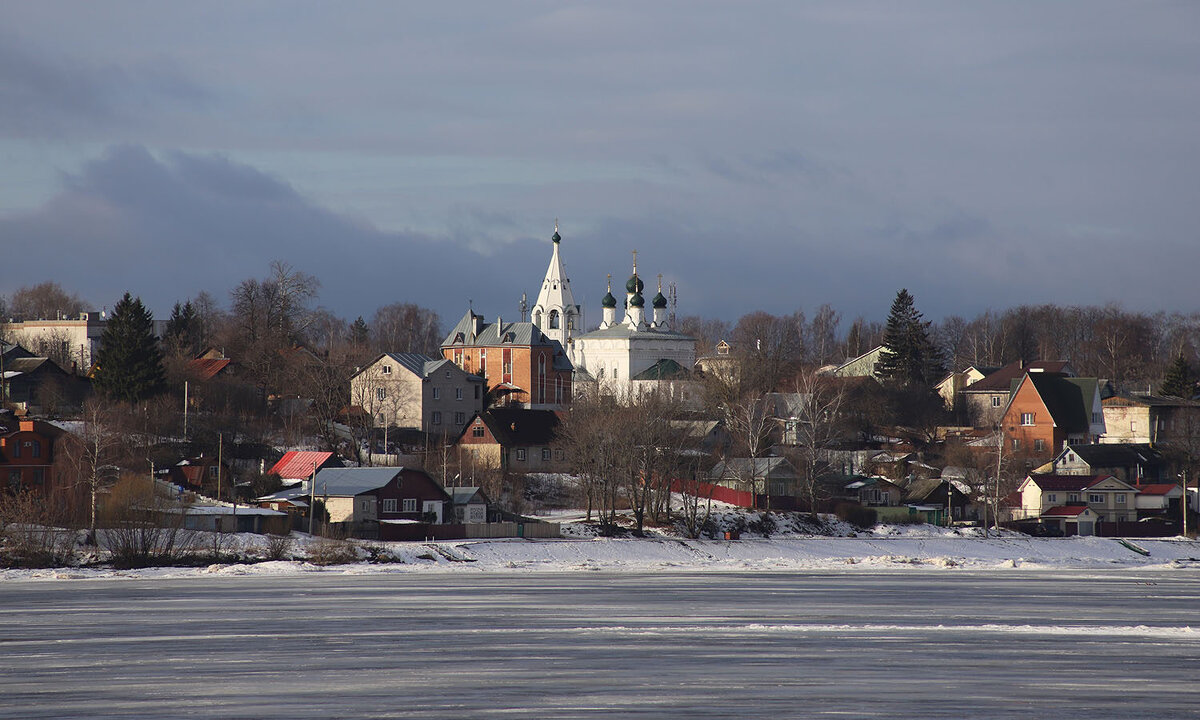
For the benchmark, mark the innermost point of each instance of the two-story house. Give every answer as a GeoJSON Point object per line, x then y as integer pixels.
{"type": "Point", "coordinates": [1046, 411]}
{"type": "Point", "coordinates": [409, 390]}
{"type": "Point", "coordinates": [1057, 498]}
{"type": "Point", "coordinates": [1135, 464]}
{"type": "Point", "coordinates": [986, 399]}
{"type": "Point", "coordinates": [513, 440]}
{"type": "Point", "coordinates": [1150, 419]}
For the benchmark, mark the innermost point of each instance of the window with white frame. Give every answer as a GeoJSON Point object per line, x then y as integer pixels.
{"type": "Point", "coordinates": [381, 393]}
{"type": "Point", "coordinates": [409, 505]}
{"type": "Point", "coordinates": [1095, 498]}
{"type": "Point", "coordinates": [1051, 497]}
{"type": "Point", "coordinates": [458, 393]}
{"type": "Point", "coordinates": [460, 418]}
{"type": "Point", "coordinates": [521, 454]}
{"type": "Point", "coordinates": [996, 401]}
{"type": "Point", "coordinates": [437, 393]}
{"type": "Point", "coordinates": [1120, 498]}
{"type": "Point", "coordinates": [435, 417]}
{"type": "Point", "coordinates": [1026, 418]}
{"type": "Point", "coordinates": [545, 454]}
{"type": "Point", "coordinates": [386, 369]}
{"type": "Point", "coordinates": [389, 505]}
{"type": "Point", "coordinates": [1039, 444]}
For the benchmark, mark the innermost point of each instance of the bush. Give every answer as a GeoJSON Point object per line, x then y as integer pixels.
{"type": "Point", "coordinates": [331, 551]}
{"type": "Point", "coordinates": [857, 515]}
{"type": "Point", "coordinates": [143, 528]}
{"type": "Point", "coordinates": [30, 533]}
{"type": "Point", "coordinates": [764, 525]}
{"type": "Point", "coordinates": [279, 547]}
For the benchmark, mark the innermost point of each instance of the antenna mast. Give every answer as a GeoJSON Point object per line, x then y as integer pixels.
{"type": "Point", "coordinates": [524, 307]}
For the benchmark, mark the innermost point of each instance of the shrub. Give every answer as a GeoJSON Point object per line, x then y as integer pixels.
{"type": "Point", "coordinates": [764, 525]}
{"type": "Point", "coordinates": [279, 547]}
{"type": "Point", "coordinates": [331, 551]}
{"type": "Point", "coordinates": [31, 534]}
{"type": "Point", "coordinates": [856, 515]}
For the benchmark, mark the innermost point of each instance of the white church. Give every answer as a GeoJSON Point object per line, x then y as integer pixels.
{"type": "Point", "coordinates": [626, 354]}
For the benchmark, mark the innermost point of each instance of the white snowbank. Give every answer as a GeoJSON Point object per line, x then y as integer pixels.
{"type": "Point", "coordinates": [777, 554]}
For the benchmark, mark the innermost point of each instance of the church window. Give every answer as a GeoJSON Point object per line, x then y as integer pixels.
{"type": "Point", "coordinates": [553, 319]}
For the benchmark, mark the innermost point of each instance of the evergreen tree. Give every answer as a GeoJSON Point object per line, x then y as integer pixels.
{"type": "Point", "coordinates": [1179, 381]}
{"type": "Point", "coordinates": [182, 333]}
{"type": "Point", "coordinates": [909, 356]}
{"type": "Point", "coordinates": [359, 332]}
{"type": "Point", "coordinates": [129, 364]}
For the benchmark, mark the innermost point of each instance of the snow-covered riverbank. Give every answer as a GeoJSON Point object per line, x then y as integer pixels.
{"type": "Point", "coordinates": [931, 548]}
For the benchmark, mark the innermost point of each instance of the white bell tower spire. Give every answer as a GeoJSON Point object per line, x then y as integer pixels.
{"type": "Point", "coordinates": [556, 314]}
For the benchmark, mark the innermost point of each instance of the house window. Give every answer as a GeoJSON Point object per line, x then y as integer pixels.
{"type": "Point", "coordinates": [436, 417]}
{"type": "Point", "coordinates": [437, 393]}
{"type": "Point", "coordinates": [38, 476]}
{"type": "Point", "coordinates": [1051, 498]}
{"type": "Point", "coordinates": [477, 431]}
{"type": "Point", "coordinates": [447, 374]}
{"type": "Point", "coordinates": [558, 454]}
{"type": "Point", "coordinates": [1026, 418]}
{"type": "Point", "coordinates": [995, 401]}
{"type": "Point", "coordinates": [213, 470]}
{"type": "Point", "coordinates": [1016, 444]}
{"type": "Point", "coordinates": [1120, 498]}
{"type": "Point", "coordinates": [37, 448]}
{"type": "Point", "coordinates": [381, 393]}
{"type": "Point", "coordinates": [460, 418]}
{"type": "Point", "coordinates": [410, 505]}
{"type": "Point", "coordinates": [364, 505]}
{"type": "Point", "coordinates": [545, 454]}
{"type": "Point", "coordinates": [386, 369]}
{"type": "Point", "coordinates": [1039, 444]}
{"type": "Point", "coordinates": [521, 454]}
{"type": "Point", "coordinates": [1132, 426]}
{"type": "Point", "coordinates": [458, 393]}
{"type": "Point", "coordinates": [1095, 498]}
{"type": "Point", "coordinates": [1073, 497]}
{"type": "Point", "coordinates": [389, 505]}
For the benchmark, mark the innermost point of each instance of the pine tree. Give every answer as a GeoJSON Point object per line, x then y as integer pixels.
{"type": "Point", "coordinates": [909, 356]}
{"type": "Point", "coordinates": [182, 333]}
{"type": "Point", "coordinates": [129, 364]}
{"type": "Point", "coordinates": [1179, 382]}
{"type": "Point", "coordinates": [359, 332]}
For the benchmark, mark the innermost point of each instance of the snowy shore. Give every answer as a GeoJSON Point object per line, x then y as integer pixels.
{"type": "Point", "coordinates": [929, 548]}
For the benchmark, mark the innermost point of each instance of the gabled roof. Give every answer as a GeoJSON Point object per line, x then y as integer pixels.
{"type": "Point", "coordinates": [516, 427]}
{"type": "Point", "coordinates": [1066, 511]}
{"type": "Point", "coordinates": [348, 482]}
{"type": "Point", "coordinates": [1000, 380]}
{"type": "Point", "coordinates": [207, 368]}
{"type": "Point", "coordinates": [1159, 489]}
{"type": "Point", "coordinates": [299, 464]}
{"type": "Point", "coordinates": [1065, 483]}
{"type": "Point", "coordinates": [1067, 399]}
{"type": "Point", "coordinates": [1146, 400]}
{"type": "Point", "coordinates": [31, 364]}
{"type": "Point", "coordinates": [665, 369]}
{"type": "Point", "coordinates": [1114, 454]}
{"type": "Point", "coordinates": [466, 495]}
{"type": "Point", "coordinates": [763, 467]}
{"type": "Point", "coordinates": [919, 491]}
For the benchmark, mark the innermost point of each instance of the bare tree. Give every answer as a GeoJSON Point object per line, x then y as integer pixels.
{"type": "Point", "coordinates": [44, 301]}
{"type": "Point", "coordinates": [405, 327]}
{"type": "Point", "coordinates": [93, 459]}
{"type": "Point", "coordinates": [815, 428]}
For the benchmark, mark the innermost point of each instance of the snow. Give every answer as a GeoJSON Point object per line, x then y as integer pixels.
{"type": "Point", "coordinates": [888, 548]}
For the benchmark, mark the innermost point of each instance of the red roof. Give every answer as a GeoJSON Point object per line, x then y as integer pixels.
{"type": "Point", "coordinates": [1157, 488]}
{"type": "Point", "coordinates": [207, 368]}
{"type": "Point", "coordinates": [299, 464]}
{"type": "Point", "coordinates": [1065, 511]}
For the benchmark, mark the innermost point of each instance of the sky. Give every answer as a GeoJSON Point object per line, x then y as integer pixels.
{"type": "Point", "coordinates": [762, 156]}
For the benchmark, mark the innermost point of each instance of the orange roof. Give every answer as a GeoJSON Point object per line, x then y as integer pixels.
{"type": "Point", "coordinates": [299, 464]}
{"type": "Point", "coordinates": [207, 368]}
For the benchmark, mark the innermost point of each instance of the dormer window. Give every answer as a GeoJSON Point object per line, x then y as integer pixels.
{"type": "Point", "coordinates": [509, 337]}
{"type": "Point", "coordinates": [459, 337]}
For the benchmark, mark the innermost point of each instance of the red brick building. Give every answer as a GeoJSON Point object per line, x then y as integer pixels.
{"type": "Point", "coordinates": [518, 362]}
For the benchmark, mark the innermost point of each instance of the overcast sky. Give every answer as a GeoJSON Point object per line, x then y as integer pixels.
{"type": "Point", "coordinates": [763, 156]}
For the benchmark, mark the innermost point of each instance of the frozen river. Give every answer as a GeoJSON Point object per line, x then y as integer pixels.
{"type": "Point", "coordinates": [901, 644]}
